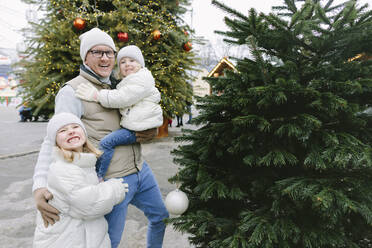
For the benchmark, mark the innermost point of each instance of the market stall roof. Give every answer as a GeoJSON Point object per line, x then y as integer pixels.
{"type": "Point", "coordinates": [360, 56]}
{"type": "Point", "coordinates": [220, 67]}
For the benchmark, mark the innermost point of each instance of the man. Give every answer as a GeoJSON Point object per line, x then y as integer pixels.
{"type": "Point", "coordinates": [97, 50]}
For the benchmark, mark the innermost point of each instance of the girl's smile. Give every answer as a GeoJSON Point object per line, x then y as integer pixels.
{"type": "Point", "coordinates": [71, 137]}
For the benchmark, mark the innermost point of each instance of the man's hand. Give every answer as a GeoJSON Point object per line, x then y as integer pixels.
{"type": "Point", "coordinates": [87, 92]}
{"type": "Point", "coordinates": [49, 213]}
{"type": "Point", "coordinates": [146, 135]}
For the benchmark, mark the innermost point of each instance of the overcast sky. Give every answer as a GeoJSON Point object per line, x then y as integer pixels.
{"type": "Point", "coordinates": [205, 17]}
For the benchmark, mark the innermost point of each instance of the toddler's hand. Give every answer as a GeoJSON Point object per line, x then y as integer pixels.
{"type": "Point", "coordinates": [87, 92]}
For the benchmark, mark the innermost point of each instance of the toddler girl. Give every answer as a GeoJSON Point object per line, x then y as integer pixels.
{"type": "Point", "coordinates": [137, 98]}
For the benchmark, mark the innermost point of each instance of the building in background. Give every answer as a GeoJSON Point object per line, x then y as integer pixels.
{"type": "Point", "coordinates": [8, 83]}
{"type": "Point", "coordinates": [223, 64]}
{"type": "Point", "coordinates": [201, 87]}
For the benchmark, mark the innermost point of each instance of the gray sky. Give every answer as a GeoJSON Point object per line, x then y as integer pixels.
{"type": "Point", "coordinates": [205, 17]}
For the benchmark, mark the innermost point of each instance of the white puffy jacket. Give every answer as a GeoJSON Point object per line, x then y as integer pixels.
{"type": "Point", "coordinates": [138, 100]}
{"type": "Point", "coordinates": [82, 201]}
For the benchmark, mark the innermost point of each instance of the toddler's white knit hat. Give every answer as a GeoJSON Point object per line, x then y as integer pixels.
{"type": "Point", "coordinates": [94, 37]}
{"type": "Point", "coordinates": [133, 52]}
{"type": "Point", "coordinates": [60, 120]}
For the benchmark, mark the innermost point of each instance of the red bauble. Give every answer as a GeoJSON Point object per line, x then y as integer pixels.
{"type": "Point", "coordinates": [79, 23]}
{"type": "Point", "coordinates": [185, 32]}
{"type": "Point", "coordinates": [187, 46]}
{"type": "Point", "coordinates": [123, 36]}
{"type": "Point", "coordinates": [156, 34]}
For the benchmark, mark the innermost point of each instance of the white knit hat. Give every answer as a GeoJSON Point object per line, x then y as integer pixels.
{"type": "Point", "coordinates": [60, 120]}
{"type": "Point", "coordinates": [94, 37]}
{"type": "Point", "coordinates": [133, 52]}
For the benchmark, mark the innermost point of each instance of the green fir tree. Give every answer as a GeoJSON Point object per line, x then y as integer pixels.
{"type": "Point", "coordinates": [52, 56]}
{"type": "Point", "coordinates": [282, 155]}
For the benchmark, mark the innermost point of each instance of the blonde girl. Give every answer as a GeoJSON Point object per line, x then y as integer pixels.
{"type": "Point", "coordinates": [77, 194]}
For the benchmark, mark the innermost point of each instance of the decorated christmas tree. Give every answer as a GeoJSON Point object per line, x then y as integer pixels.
{"type": "Point", "coordinates": [282, 155]}
{"type": "Point", "coordinates": [156, 27]}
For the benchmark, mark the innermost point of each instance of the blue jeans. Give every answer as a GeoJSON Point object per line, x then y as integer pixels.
{"type": "Point", "coordinates": [144, 193]}
{"type": "Point", "coordinates": [119, 137]}
{"type": "Point", "coordinates": [190, 114]}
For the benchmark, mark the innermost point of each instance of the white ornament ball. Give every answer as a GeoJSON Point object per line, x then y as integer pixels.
{"type": "Point", "coordinates": [176, 202]}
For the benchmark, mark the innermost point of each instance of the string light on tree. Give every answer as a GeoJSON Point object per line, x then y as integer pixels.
{"type": "Point", "coordinates": [79, 23]}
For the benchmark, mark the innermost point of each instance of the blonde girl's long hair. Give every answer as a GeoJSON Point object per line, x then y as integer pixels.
{"type": "Point", "coordinates": [88, 147]}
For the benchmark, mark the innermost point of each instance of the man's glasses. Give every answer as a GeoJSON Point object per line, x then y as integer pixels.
{"type": "Point", "coordinates": [99, 54]}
